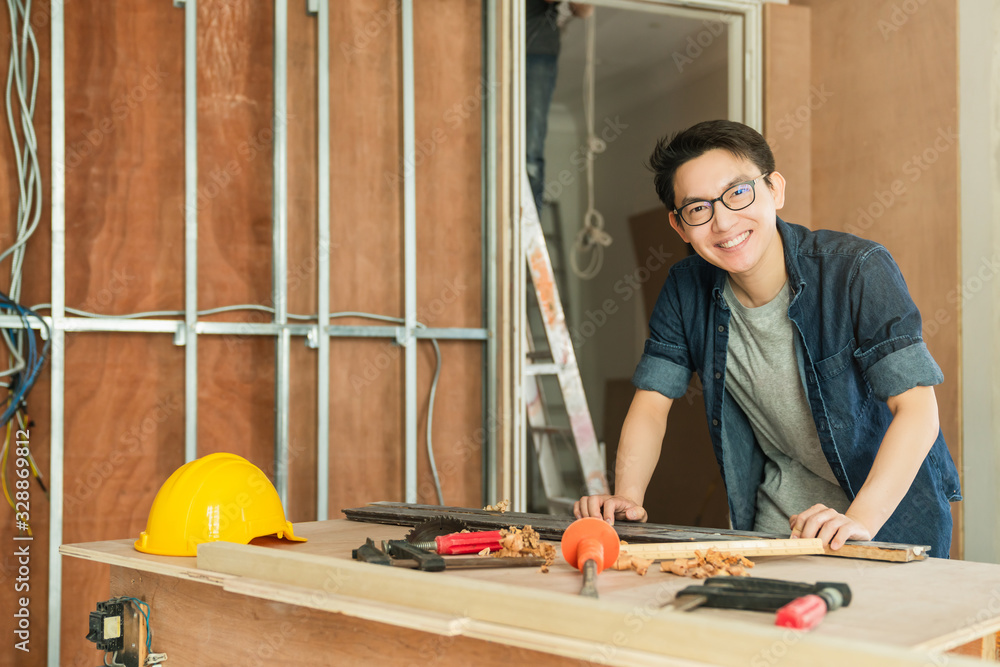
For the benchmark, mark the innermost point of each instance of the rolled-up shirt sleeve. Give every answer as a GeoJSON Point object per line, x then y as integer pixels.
{"type": "Point", "coordinates": [665, 366]}
{"type": "Point", "coordinates": [890, 347]}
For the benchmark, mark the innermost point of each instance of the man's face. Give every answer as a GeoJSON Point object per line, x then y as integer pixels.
{"type": "Point", "coordinates": [739, 242]}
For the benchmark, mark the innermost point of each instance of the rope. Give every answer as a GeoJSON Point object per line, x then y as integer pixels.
{"type": "Point", "coordinates": [592, 238]}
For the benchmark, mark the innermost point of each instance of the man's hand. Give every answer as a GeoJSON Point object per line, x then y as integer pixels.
{"type": "Point", "coordinates": [829, 525]}
{"type": "Point", "coordinates": [609, 508]}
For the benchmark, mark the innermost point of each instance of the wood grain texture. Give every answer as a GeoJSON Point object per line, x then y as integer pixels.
{"type": "Point", "coordinates": [35, 290]}
{"type": "Point", "coordinates": [256, 632]}
{"type": "Point", "coordinates": [947, 603]}
{"type": "Point", "coordinates": [790, 99]}
{"type": "Point", "coordinates": [124, 142]}
{"type": "Point", "coordinates": [366, 256]}
{"type": "Point", "coordinates": [235, 152]}
{"type": "Point", "coordinates": [885, 159]}
{"type": "Point", "coordinates": [124, 429]}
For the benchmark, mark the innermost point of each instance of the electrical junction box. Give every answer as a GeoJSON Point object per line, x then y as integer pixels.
{"type": "Point", "coordinates": [106, 625]}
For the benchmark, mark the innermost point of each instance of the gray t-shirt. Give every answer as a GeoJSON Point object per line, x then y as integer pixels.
{"type": "Point", "coordinates": [762, 374]}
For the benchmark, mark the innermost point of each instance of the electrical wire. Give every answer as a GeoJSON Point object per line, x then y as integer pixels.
{"type": "Point", "coordinates": [347, 313]}
{"type": "Point", "coordinates": [592, 236]}
{"type": "Point", "coordinates": [143, 608]}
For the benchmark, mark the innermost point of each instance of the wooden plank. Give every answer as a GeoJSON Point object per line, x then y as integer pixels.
{"type": "Point", "coordinates": [947, 603]}
{"type": "Point", "coordinates": [551, 527]}
{"type": "Point", "coordinates": [686, 636]}
{"type": "Point", "coordinates": [749, 548]}
{"type": "Point", "coordinates": [790, 99]}
{"type": "Point", "coordinates": [894, 177]}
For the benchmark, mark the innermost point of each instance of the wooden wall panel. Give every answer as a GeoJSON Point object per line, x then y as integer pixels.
{"type": "Point", "coordinates": [450, 93]}
{"type": "Point", "coordinates": [885, 157]}
{"type": "Point", "coordinates": [236, 397]}
{"type": "Point", "coordinates": [303, 256]}
{"type": "Point", "coordinates": [790, 100]}
{"type": "Point", "coordinates": [124, 435]}
{"type": "Point", "coordinates": [366, 253]}
{"type": "Point", "coordinates": [235, 152]}
{"type": "Point", "coordinates": [124, 148]}
{"type": "Point", "coordinates": [35, 290]}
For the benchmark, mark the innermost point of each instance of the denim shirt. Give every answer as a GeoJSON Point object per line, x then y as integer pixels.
{"type": "Point", "coordinates": [858, 343]}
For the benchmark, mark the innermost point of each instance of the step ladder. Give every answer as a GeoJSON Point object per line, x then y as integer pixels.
{"type": "Point", "coordinates": [570, 460]}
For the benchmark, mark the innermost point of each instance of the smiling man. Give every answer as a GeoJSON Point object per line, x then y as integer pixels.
{"type": "Point", "coordinates": [818, 387]}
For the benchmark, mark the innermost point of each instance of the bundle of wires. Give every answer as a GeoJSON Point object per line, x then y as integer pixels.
{"type": "Point", "coordinates": [26, 359]}
{"type": "Point", "coordinates": [26, 363]}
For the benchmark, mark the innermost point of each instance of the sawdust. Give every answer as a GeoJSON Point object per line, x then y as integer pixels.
{"type": "Point", "coordinates": [710, 564]}
{"type": "Point", "coordinates": [626, 561]}
{"type": "Point", "coordinates": [524, 542]}
{"type": "Point", "coordinates": [503, 506]}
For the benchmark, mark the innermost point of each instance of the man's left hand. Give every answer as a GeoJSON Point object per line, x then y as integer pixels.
{"type": "Point", "coordinates": [829, 525]}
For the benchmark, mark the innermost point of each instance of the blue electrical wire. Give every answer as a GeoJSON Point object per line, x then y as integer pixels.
{"type": "Point", "coordinates": [23, 381]}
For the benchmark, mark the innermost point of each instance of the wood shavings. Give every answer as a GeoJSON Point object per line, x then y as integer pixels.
{"type": "Point", "coordinates": [485, 552]}
{"type": "Point", "coordinates": [521, 542]}
{"type": "Point", "coordinates": [503, 506]}
{"type": "Point", "coordinates": [626, 561]}
{"type": "Point", "coordinates": [710, 564]}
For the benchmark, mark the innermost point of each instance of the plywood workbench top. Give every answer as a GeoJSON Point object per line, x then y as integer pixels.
{"type": "Point", "coordinates": [930, 605]}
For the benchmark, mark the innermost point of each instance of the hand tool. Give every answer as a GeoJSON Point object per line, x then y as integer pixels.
{"type": "Point", "coordinates": [398, 553]}
{"type": "Point", "coordinates": [808, 610]}
{"type": "Point", "coordinates": [590, 545]}
{"type": "Point", "coordinates": [775, 547]}
{"type": "Point", "coordinates": [462, 543]}
{"type": "Point", "coordinates": [766, 595]}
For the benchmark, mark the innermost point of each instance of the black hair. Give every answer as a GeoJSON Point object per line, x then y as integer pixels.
{"type": "Point", "coordinates": [672, 152]}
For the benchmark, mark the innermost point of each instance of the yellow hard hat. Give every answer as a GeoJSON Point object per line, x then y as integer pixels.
{"type": "Point", "coordinates": [219, 497]}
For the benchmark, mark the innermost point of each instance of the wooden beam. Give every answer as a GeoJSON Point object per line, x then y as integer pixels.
{"type": "Point", "coordinates": [505, 611]}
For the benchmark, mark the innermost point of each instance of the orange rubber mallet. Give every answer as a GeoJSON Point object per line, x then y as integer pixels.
{"type": "Point", "coordinates": [590, 545]}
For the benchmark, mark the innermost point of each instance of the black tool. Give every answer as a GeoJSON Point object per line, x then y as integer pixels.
{"type": "Point", "coordinates": [752, 593]}
{"type": "Point", "coordinates": [399, 553]}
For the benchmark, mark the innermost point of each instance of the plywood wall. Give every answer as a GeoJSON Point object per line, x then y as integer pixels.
{"type": "Point", "coordinates": [885, 157]}
{"type": "Point", "coordinates": [125, 253]}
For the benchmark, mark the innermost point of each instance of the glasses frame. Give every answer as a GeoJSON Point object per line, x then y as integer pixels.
{"type": "Point", "coordinates": [711, 202]}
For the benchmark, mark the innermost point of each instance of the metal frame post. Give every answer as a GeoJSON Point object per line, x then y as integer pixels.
{"type": "Point", "coordinates": [58, 349]}
{"type": "Point", "coordinates": [190, 339]}
{"type": "Point", "coordinates": [323, 289]}
{"type": "Point", "coordinates": [408, 341]}
{"type": "Point", "coordinates": [280, 248]}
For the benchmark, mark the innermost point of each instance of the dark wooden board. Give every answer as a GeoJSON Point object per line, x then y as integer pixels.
{"type": "Point", "coordinates": [551, 527]}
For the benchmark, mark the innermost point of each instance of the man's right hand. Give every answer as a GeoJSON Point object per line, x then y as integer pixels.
{"type": "Point", "coordinates": [609, 508]}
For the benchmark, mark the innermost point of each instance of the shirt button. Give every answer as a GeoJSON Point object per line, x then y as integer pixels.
{"type": "Point", "coordinates": [721, 328]}
{"type": "Point", "coordinates": [718, 375]}
{"type": "Point", "coordinates": [715, 422]}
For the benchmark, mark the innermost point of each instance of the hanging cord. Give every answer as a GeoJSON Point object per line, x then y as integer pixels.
{"type": "Point", "coordinates": [592, 237]}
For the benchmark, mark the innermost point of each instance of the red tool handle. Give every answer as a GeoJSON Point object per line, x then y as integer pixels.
{"type": "Point", "coordinates": [802, 613]}
{"type": "Point", "coordinates": [468, 543]}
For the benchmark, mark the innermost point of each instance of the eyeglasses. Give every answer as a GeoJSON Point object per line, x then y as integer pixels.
{"type": "Point", "coordinates": [735, 198]}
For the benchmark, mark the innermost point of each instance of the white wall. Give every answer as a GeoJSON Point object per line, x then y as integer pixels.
{"type": "Point", "coordinates": [979, 122]}
{"type": "Point", "coordinates": [623, 187]}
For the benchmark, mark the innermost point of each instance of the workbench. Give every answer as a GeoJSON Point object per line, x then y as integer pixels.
{"type": "Point", "coordinates": [277, 602]}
